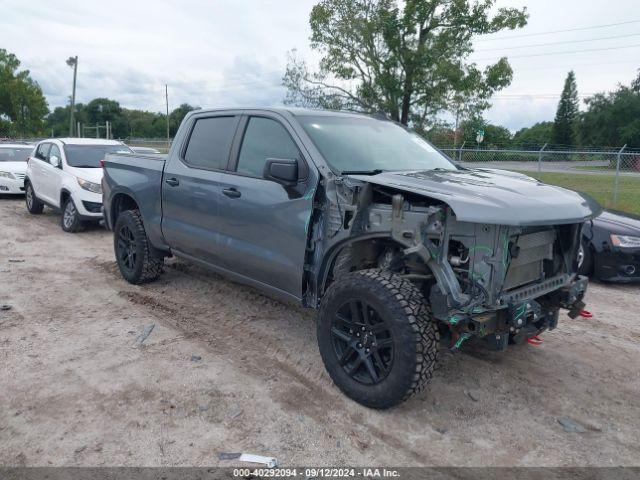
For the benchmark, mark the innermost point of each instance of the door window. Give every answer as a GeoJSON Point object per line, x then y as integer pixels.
{"type": "Point", "coordinates": [264, 138]}
{"type": "Point", "coordinates": [210, 143]}
{"type": "Point", "coordinates": [42, 152]}
{"type": "Point", "coordinates": [55, 151]}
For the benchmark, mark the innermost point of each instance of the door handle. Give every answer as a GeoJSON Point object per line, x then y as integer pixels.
{"type": "Point", "coordinates": [172, 181]}
{"type": "Point", "coordinates": [232, 193]}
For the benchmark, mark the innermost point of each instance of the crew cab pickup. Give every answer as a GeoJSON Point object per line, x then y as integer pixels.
{"type": "Point", "coordinates": [397, 247]}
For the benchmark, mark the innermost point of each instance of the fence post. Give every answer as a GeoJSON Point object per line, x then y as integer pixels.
{"type": "Point", "coordinates": [540, 157]}
{"type": "Point", "coordinates": [617, 179]}
{"type": "Point", "coordinates": [460, 152]}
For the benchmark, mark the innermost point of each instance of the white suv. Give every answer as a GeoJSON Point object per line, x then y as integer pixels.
{"type": "Point", "coordinates": [65, 174]}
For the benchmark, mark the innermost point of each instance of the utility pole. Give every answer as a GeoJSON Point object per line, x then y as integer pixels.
{"type": "Point", "coordinates": [166, 96]}
{"type": "Point", "coordinates": [73, 62]}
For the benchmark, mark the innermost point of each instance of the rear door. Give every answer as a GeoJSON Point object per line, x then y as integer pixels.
{"type": "Point", "coordinates": [38, 172]}
{"type": "Point", "coordinates": [191, 186]}
{"type": "Point", "coordinates": [263, 225]}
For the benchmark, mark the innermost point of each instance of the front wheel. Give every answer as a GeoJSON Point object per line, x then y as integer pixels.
{"type": "Point", "coordinates": [70, 220]}
{"type": "Point", "coordinates": [376, 337]}
{"type": "Point", "coordinates": [137, 260]}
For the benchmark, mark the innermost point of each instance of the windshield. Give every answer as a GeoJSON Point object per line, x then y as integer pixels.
{"type": "Point", "coordinates": [89, 156]}
{"type": "Point", "coordinates": [15, 154]}
{"type": "Point", "coordinates": [365, 144]}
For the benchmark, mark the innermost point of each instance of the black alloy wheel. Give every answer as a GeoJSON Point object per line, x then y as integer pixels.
{"type": "Point", "coordinates": [363, 342]}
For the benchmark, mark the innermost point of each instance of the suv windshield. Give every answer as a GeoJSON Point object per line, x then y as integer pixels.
{"type": "Point", "coordinates": [15, 154]}
{"type": "Point", "coordinates": [89, 156]}
{"type": "Point", "coordinates": [353, 144]}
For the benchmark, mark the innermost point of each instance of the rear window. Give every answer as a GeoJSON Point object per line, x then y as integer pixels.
{"type": "Point", "coordinates": [210, 143]}
{"type": "Point", "coordinates": [89, 156]}
{"type": "Point", "coordinates": [12, 154]}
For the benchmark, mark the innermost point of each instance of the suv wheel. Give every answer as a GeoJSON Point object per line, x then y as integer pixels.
{"type": "Point", "coordinates": [137, 260]}
{"type": "Point", "coordinates": [585, 259]}
{"type": "Point", "coordinates": [34, 205]}
{"type": "Point", "coordinates": [70, 220]}
{"type": "Point", "coordinates": [376, 337]}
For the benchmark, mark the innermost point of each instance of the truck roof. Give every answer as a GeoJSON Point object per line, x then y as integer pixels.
{"type": "Point", "coordinates": [287, 110]}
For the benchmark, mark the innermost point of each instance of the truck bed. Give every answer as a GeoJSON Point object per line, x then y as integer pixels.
{"type": "Point", "coordinates": [139, 176]}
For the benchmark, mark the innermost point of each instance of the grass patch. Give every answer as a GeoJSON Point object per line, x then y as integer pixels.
{"type": "Point", "coordinates": [599, 187]}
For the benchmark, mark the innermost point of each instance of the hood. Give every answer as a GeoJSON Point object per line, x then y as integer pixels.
{"type": "Point", "coordinates": [618, 221]}
{"type": "Point", "coordinates": [493, 196]}
{"type": "Point", "coordinates": [91, 174]}
{"type": "Point", "coordinates": [13, 167]}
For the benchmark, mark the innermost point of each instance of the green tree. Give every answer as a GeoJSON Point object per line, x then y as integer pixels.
{"type": "Point", "coordinates": [494, 135]}
{"type": "Point", "coordinates": [535, 136]}
{"type": "Point", "coordinates": [101, 110]}
{"type": "Point", "coordinates": [22, 103]}
{"type": "Point", "coordinates": [407, 59]}
{"type": "Point", "coordinates": [612, 119]}
{"type": "Point", "coordinates": [564, 125]}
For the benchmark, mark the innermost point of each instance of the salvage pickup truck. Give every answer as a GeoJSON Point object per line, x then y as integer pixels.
{"type": "Point", "coordinates": [399, 249]}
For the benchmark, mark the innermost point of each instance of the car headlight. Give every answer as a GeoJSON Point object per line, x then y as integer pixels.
{"type": "Point", "coordinates": [625, 241]}
{"type": "Point", "coordinates": [90, 186]}
{"type": "Point", "coordinates": [7, 175]}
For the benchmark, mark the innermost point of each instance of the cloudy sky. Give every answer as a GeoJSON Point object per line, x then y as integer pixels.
{"type": "Point", "coordinates": [233, 52]}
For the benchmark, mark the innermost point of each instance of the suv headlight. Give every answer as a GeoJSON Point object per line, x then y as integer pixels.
{"type": "Point", "coordinates": [625, 241]}
{"type": "Point", "coordinates": [90, 186]}
{"type": "Point", "coordinates": [7, 175]}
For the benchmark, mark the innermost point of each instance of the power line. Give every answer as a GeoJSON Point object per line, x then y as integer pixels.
{"type": "Point", "coordinates": [574, 66]}
{"type": "Point", "coordinates": [557, 31]}
{"type": "Point", "coordinates": [558, 43]}
{"type": "Point", "coordinates": [562, 53]}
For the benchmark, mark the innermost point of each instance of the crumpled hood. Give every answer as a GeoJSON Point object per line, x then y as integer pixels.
{"type": "Point", "coordinates": [493, 196]}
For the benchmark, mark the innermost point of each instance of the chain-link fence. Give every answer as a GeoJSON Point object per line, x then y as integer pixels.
{"type": "Point", "coordinates": [611, 175]}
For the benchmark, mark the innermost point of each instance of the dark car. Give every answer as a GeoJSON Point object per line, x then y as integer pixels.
{"type": "Point", "coordinates": [610, 249]}
{"type": "Point", "coordinates": [368, 223]}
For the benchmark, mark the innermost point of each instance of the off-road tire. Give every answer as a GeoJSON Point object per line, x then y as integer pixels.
{"type": "Point", "coordinates": [74, 223]}
{"type": "Point", "coordinates": [414, 332]}
{"type": "Point", "coordinates": [34, 206]}
{"type": "Point", "coordinates": [148, 262]}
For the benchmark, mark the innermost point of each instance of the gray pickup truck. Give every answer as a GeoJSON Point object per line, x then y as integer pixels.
{"type": "Point", "coordinates": [399, 249]}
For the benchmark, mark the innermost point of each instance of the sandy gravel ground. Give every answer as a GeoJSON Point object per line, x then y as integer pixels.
{"type": "Point", "coordinates": [226, 369]}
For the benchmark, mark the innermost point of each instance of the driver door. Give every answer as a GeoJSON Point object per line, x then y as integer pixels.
{"type": "Point", "coordinates": [262, 224]}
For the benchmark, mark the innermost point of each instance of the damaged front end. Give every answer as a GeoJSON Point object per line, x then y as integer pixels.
{"type": "Point", "coordinates": [502, 283]}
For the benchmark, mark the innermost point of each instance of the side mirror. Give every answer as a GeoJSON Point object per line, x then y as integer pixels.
{"type": "Point", "coordinates": [55, 161]}
{"type": "Point", "coordinates": [282, 171]}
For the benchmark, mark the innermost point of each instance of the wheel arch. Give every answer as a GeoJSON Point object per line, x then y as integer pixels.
{"type": "Point", "coordinates": [65, 193]}
{"type": "Point", "coordinates": [121, 202]}
{"type": "Point", "coordinates": [378, 239]}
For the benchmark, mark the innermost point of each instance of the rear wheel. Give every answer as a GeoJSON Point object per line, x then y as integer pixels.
{"type": "Point", "coordinates": [70, 220]}
{"type": "Point", "coordinates": [376, 337]}
{"type": "Point", "coordinates": [34, 205]}
{"type": "Point", "coordinates": [137, 260]}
